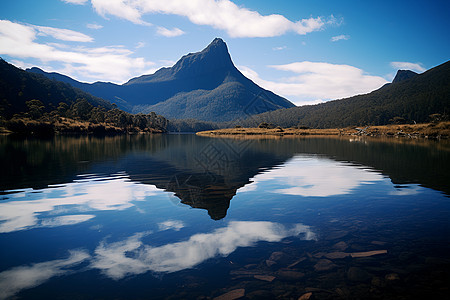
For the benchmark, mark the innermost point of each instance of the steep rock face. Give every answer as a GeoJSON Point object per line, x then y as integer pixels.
{"type": "Point", "coordinates": [204, 85]}
{"type": "Point", "coordinates": [404, 75]}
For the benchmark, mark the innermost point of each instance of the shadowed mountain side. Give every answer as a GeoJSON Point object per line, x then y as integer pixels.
{"type": "Point", "coordinates": [205, 85]}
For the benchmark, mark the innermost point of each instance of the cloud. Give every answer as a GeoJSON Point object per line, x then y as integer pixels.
{"type": "Point", "coordinates": [417, 67]}
{"type": "Point", "coordinates": [16, 279]}
{"type": "Point", "coordinates": [113, 63]}
{"type": "Point", "coordinates": [140, 45]}
{"type": "Point", "coordinates": [225, 15]}
{"type": "Point", "coordinates": [82, 195]}
{"type": "Point", "coordinates": [169, 32]}
{"type": "Point", "coordinates": [279, 48]}
{"type": "Point", "coordinates": [78, 2]}
{"type": "Point", "coordinates": [313, 81]}
{"type": "Point", "coordinates": [171, 224]}
{"type": "Point", "coordinates": [132, 256]}
{"type": "Point", "coordinates": [94, 26]}
{"type": "Point", "coordinates": [341, 37]}
{"type": "Point", "coordinates": [63, 34]}
{"type": "Point", "coordinates": [305, 176]}
{"type": "Point", "coordinates": [120, 8]}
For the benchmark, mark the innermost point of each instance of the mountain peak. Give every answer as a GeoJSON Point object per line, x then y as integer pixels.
{"type": "Point", "coordinates": [404, 75]}
{"type": "Point", "coordinates": [213, 59]}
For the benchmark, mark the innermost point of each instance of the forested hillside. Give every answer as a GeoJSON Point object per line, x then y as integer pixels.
{"type": "Point", "coordinates": [412, 99]}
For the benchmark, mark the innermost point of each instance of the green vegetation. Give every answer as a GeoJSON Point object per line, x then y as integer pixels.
{"type": "Point", "coordinates": [32, 104]}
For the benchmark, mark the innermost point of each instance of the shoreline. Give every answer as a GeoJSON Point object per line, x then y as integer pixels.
{"type": "Point", "coordinates": [439, 130]}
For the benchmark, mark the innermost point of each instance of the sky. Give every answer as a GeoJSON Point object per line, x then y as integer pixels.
{"type": "Point", "coordinates": [308, 51]}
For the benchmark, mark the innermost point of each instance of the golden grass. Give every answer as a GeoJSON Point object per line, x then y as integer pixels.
{"type": "Point", "coordinates": [429, 130]}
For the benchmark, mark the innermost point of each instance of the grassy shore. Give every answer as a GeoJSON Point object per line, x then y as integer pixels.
{"type": "Point", "coordinates": [426, 130]}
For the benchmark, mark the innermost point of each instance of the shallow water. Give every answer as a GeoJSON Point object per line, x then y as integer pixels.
{"type": "Point", "coordinates": [187, 217]}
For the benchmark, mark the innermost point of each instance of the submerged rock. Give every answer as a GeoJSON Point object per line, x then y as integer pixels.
{"type": "Point", "coordinates": [324, 265]}
{"type": "Point", "coordinates": [306, 296]}
{"type": "Point", "coordinates": [358, 274]}
{"type": "Point", "coordinates": [234, 294]}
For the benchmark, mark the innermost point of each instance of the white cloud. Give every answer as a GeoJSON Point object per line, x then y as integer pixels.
{"type": "Point", "coordinates": [63, 34]}
{"type": "Point", "coordinates": [417, 67]}
{"type": "Point", "coordinates": [140, 45]}
{"type": "Point", "coordinates": [88, 195]}
{"type": "Point", "coordinates": [78, 2]}
{"type": "Point", "coordinates": [171, 224]}
{"type": "Point", "coordinates": [94, 26]}
{"type": "Point", "coordinates": [113, 63]}
{"type": "Point", "coordinates": [124, 9]}
{"type": "Point", "coordinates": [16, 279]}
{"type": "Point", "coordinates": [305, 176]}
{"type": "Point", "coordinates": [237, 21]}
{"type": "Point", "coordinates": [279, 48]}
{"type": "Point", "coordinates": [132, 256]}
{"type": "Point", "coordinates": [313, 81]}
{"type": "Point", "coordinates": [341, 37]}
{"type": "Point", "coordinates": [169, 32]}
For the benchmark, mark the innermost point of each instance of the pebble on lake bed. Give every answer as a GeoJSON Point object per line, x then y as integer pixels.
{"type": "Point", "coordinates": [234, 294]}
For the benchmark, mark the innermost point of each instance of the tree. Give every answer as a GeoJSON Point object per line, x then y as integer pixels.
{"type": "Point", "coordinates": [35, 108]}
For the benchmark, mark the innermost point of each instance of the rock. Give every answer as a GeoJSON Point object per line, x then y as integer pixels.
{"type": "Point", "coordinates": [296, 262]}
{"type": "Point", "coordinates": [336, 255]}
{"type": "Point", "coordinates": [324, 265]}
{"type": "Point", "coordinates": [270, 263]}
{"type": "Point", "coordinates": [290, 275]}
{"type": "Point", "coordinates": [319, 254]}
{"type": "Point", "coordinates": [340, 246]}
{"type": "Point", "coordinates": [379, 243]}
{"type": "Point", "coordinates": [358, 274]}
{"type": "Point", "coordinates": [338, 234]}
{"type": "Point", "coordinates": [277, 256]}
{"type": "Point", "coordinates": [265, 277]}
{"type": "Point", "coordinates": [392, 277]}
{"type": "Point", "coordinates": [378, 282]}
{"type": "Point", "coordinates": [260, 295]}
{"type": "Point", "coordinates": [306, 296]}
{"type": "Point", "coordinates": [368, 253]}
{"type": "Point", "coordinates": [234, 294]}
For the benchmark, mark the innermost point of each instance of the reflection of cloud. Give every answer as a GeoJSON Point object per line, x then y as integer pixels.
{"type": "Point", "coordinates": [65, 220]}
{"type": "Point", "coordinates": [313, 177]}
{"type": "Point", "coordinates": [84, 195]}
{"type": "Point", "coordinates": [16, 279]}
{"type": "Point", "coordinates": [171, 224]}
{"type": "Point", "coordinates": [132, 256]}
{"type": "Point", "coordinates": [406, 191]}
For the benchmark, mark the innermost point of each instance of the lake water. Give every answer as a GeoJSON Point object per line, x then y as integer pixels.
{"type": "Point", "coordinates": [188, 217]}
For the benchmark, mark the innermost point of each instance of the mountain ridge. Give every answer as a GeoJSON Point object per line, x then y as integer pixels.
{"type": "Point", "coordinates": [207, 79]}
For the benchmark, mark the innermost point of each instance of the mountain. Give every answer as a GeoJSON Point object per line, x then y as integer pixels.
{"type": "Point", "coordinates": [204, 85]}
{"type": "Point", "coordinates": [412, 99]}
{"type": "Point", "coordinates": [18, 86]}
{"type": "Point", "coordinates": [404, 75]}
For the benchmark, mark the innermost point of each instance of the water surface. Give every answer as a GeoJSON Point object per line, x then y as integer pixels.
{"type": "Point", "coordinates": [187, 217]}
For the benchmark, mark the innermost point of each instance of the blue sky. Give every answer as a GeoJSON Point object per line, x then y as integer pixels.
{"type": "Point", "coordinates": [307, 51]}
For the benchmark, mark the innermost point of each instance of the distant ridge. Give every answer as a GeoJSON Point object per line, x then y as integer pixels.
{"type": "Point", "coordinates": [204, 85]}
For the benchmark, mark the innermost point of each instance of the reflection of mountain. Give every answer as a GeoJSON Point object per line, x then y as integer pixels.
{"type": "Point", "coordinates": [206, 173]}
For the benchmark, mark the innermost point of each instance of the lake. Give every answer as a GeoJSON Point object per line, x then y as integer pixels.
{"type": "Point", "coordinates": [189, 217]}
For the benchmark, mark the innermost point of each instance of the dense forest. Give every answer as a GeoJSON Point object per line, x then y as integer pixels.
{"type": "Point", "coordinates": [32, 103]}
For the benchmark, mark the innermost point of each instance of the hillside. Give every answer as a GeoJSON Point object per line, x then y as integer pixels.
{"type": "Point", "coordinates": [33, 104]}
{"type": "Point", "coordinates": [204, 85]}
{"type": "Point", "coordinates": [18, 86]}
{"type": "Point", "coordinates": [409, 98]}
